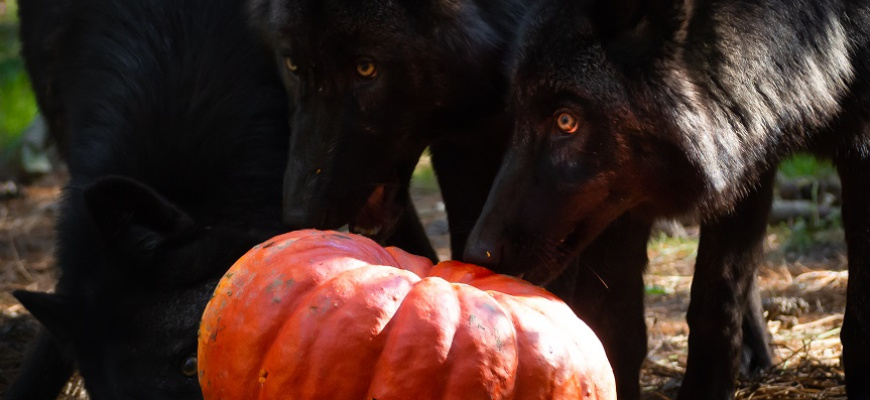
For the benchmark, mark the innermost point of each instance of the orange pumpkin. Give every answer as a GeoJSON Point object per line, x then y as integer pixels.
{"type": "Point", "coordinates": [328, 315]}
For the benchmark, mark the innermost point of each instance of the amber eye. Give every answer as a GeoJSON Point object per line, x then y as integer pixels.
{"type": "Point", "coordinates": [188, 368]}
{"type": "Point", "coordinates": [288, 62]}
{"type": "Point", "coordinates": [567, 123]}
{"type": "Point", "coordinates": [366, 69]}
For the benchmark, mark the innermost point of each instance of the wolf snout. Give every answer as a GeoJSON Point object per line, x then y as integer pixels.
{"type": "Point", "coordinates": [480, 251]}
{"type": "Point", "coordinates": [295, 217]}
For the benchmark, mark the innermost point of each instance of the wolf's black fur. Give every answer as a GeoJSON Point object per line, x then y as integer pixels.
{"type": "Point", "coordinates": [173, 122]}
{"type": "Point", "coordinates": [440, 81]}
{"type": "Point", "coordinates": [686, 106]}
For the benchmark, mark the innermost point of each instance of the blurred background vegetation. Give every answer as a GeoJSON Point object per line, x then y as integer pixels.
{"type": "Point", "coordinates": [17, 104]}
{"type": "Point", "coordinates": [24, 153]}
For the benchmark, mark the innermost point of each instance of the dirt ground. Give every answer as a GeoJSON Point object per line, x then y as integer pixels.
{"type": "Point", "coordinates": [804, 292]}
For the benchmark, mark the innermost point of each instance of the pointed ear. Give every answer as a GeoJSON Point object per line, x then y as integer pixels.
{"type": "Point", "coordinates": [56, 312]}
{"type": "Point", "coordinates": [133, 217]}
{"type": "Point", "coordinates": [263, 18]}
{"type": "Point", "coordinates": [633, 29]}
{"type": "Point", "coordinates": [617, 16]}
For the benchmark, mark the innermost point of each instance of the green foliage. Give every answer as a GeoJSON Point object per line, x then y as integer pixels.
{"type": "Point", "coordinates": [10, 14]}
{"type": "Point", "coordinates": [17, 102]}
{"type": "Point", "coordinates": [664, 248]}
{"type": "Point", "coordinates": [805, 165]}
{"type": "Point", "coordinates": [9, 45]}
{"type": "Point", "coordinates": [424, 176]}
{"type": "Point", "coordinates": [17, 107]}
{"type": "Point", "coordinates": [805, 233]}
{"type": "Point", "coordinates": [802, 236]}
{"type": "Point", "coordinates": [658, 290]}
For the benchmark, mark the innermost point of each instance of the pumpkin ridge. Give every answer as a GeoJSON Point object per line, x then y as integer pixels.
{"type": "Point", "coordinates": [236, 276]}
{"type": "Point", "coordinates": [419, 265]}
{"type": "Point", "coordinates": [302, 242]}
{"type": "Point", "coordinates": [392, 326]}
{"type": "Point", "coordinates": [479, 315]}
{"type": "Point", "coordinates": [274, 334]}
{"type": "Point", "coordinates": [332, 301]}
{"type": "Point", "coordinates": [525, 371]}
{"type": "Point", "coordinates": [424, 312]}
{"type": "Point", "coordinates": [582, 353]}
{"type": "Point", "coordinates": [271, 337]}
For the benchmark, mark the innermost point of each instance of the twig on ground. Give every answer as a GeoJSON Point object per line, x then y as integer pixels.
{"type": "Point", "coordinates": [17, 260]}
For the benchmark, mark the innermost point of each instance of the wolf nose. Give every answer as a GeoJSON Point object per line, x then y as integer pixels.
{"type": "Point", "coordinates": [295, 218]}
{"type": "Point", "coordinates": [305, 218]}
{"type": "Point", "coordinates": [483, 252]}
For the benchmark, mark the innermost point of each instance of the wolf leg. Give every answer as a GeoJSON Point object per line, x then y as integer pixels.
{"type": "Point", "coordinates": [723, 286]}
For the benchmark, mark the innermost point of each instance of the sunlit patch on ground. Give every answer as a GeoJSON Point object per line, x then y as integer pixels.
{"type": "Point", "coordinates": [804, 299]}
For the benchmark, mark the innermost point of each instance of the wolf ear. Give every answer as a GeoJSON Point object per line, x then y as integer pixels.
{"type": "Point", "coordinates": [619, 17]}
{"type": "Point", "coordinates": [132, 217]}
{"type": "Point", "coordinates": [636, 27]}
{"type": "Point", "coordinates": [263, 19]}
{"type": "Point", "coordinates": [56, 312]}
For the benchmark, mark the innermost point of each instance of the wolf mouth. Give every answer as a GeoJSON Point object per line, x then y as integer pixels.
{"type": "Point", "coordinates": [379, 214]}
{"type": "Point", "coordinates": [561, 251]}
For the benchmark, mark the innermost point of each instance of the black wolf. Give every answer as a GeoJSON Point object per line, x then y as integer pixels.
{"type": "Point", "coordinates": [373, 84]}
{"type": "Point", "coordinates": [663, 107]}
{"type": "Point", "coordinates": [173, 122]}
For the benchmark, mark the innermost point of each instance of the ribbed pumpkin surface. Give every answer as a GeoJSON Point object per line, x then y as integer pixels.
{"type": "Point", "coordinates": [328, 315]}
